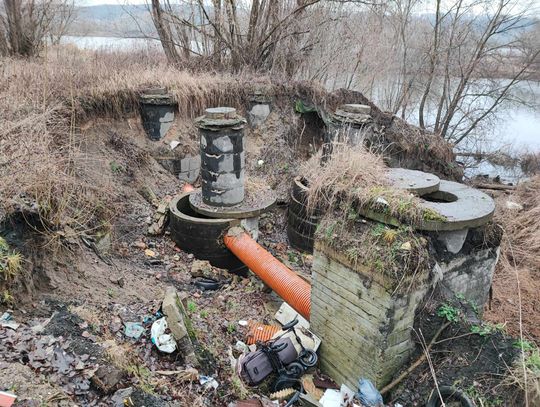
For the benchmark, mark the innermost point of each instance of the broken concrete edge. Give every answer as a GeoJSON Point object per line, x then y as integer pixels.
{"type": "Point", "coordinates": [386, 282]}
{"type": "Point", "coordinates": [180, 324]}
{"type": "Point", "coordinates": [241, 210]}
{"type": "Point", "coordinates": [235, 231]}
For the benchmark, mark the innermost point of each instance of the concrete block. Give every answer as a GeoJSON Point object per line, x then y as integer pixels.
{"type": "Point", "coordinates": [365, 328]}
{"type": "Point", "coordinates": [189, 176]}
{"type": "Point", "coordinates": [172, 310]}
{"type": "Point", "coordinates": [453, 239]}
{"type": "Point", "coordinates": [258, 114]}
{"type": "Point", "coordinates": [470, 275]}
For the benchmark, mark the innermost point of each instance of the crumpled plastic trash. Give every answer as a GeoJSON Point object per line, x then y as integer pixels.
{"type": "Point", "coordinates": [164, 342]}
{"type": "Point", "coordinates": [208, 381]}
{"type": "Point", "coordinates": [331, 398]}
{"type": "Point", "coordinates": [368, 394]}
{"type": "Point", "coordinates": [6, 321]}
{"type": "Point", "coordinates": [133, 330]}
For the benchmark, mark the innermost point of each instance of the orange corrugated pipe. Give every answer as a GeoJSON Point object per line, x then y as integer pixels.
{"type": "Point", "coordinates": [286, 283]}
{"type": "Point", "coordinates": [261, 332]}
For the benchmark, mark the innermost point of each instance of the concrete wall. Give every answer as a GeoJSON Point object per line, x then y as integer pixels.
{"type": "Point", "coordinates": [364, 327]}
{"type": "Point", "coordinates": [470, 275]}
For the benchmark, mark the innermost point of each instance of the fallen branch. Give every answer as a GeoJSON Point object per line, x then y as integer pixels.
{"type": "Point", "coordinates": [498, 187]}
{"type": "Point", "coordinates": [418, 362]}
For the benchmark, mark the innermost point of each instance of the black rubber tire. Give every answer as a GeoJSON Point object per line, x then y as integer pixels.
{"type": "Point", "coordinates": [302, 212]}
{"type": "Point", "coordinates": [448, 393]}
{"type": "Point", "coordinates": [295, 369]}
{"type": "Point", "coordinates": [301, 222]}
{"type": "Point", "coordinates": [301, 225]}
{"type": "Point", "coordinates": [308, 358]}
{"type": "Point", "coordinates": [202, 236]}
{"type": "Point", "coordinates": [299, 241]}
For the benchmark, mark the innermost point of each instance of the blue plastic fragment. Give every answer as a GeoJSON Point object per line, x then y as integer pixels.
{"type": "Point", "coordinates": [368, 394]}
{"type": "Point", "coordinates": [133, 330]}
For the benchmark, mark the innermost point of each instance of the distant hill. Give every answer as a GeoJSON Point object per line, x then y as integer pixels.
{"type": "Point", "coordinates": [112, 20]}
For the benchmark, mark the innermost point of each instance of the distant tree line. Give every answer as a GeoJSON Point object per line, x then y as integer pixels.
{"type": "Point", "coordinates": [26, 25]}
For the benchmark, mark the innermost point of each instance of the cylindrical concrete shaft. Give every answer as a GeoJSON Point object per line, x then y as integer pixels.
{"type": "Point", "coordinates": [157, 112]}
{"type": "Point", "coordinates": [222, 156]}
{"type": "Point", "coordinates": [294, 290]}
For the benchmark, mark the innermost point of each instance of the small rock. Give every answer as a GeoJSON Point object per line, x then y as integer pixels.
{"type": "Point", "coordinates": [514, 206]}
{"type": "Point", "coordinates": [107, 378]}
{"type": "Point", "coordinates": [201, 268]}
{"type": "Point", "coordinates": [406, 246]}
{"type": "Point", "coordinates": [139, 244]}
{"type": "Point", "coordinates": [150, 253]}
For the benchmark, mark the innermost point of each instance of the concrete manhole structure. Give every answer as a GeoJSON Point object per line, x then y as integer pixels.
{"type": "Point", "coordinates": [157, 112]}
{"type": "Point", "coordinates": [225, 199]}
{"type": "Point", "coordinates": [259, 107]}
{"type": "Point", "coordinates": [302, 221]}
{"type": "Point", "coordinates": [364, 322]}
{"type": "Point", "coordinates": [350, 123]}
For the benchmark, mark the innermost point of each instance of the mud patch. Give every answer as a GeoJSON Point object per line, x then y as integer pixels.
{"type": "Point", "coordinates": [474, 363]}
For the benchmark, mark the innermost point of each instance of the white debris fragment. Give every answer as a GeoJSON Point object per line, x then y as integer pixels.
{"type": "Point", "coordinates": [163, 341]}
{"type": "Point", "coordinates": [514, 206]}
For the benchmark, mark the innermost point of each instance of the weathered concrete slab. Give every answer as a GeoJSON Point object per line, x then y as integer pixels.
{"type": "Point", "coordinates": [417, 182]}
{"type": "Point", "coordinates": [459, 206]}
{"type": "Point", "coordinates": [258, 198]}
{"type": "Point", "coordinates": [468, 208]}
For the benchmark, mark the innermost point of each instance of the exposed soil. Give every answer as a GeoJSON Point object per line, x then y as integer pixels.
{"type": "Point", "coordinates": [473, 363]}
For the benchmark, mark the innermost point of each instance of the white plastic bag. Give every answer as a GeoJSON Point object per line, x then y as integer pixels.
{"type": "Point", "coordinates": [163, 341]}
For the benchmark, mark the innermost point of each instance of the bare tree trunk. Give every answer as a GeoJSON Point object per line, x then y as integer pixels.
{"type": "Point", "coordinates": [16, 36]}
{"type": "Point", "coordinates": [432, 63]}
{"type": "Point", "coordinates": [164, 32]}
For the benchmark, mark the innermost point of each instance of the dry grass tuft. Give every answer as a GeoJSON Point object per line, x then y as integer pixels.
{"type": "Point", "coordinates": [524, 375]}
{"type": "Point", "coordinates": [518, 269]}
{"type": "Point", "coordinates": [522, 242]}
{"type": "Point", "coordinates": [353, 180]}
{"type": "Point", "coordinates": [516, 285]}
{"type": "Point", "coordinates": [349, 174]}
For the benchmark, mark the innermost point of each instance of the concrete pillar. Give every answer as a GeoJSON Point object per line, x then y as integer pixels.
{"type": "Point", "coordinates": [221, 133]}
{"type": "Point", "coordinates": [365, 327]}
{"type": "Point", "coordinates": [157, 112]}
